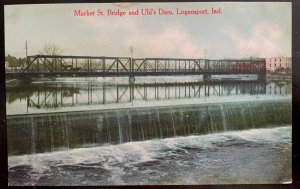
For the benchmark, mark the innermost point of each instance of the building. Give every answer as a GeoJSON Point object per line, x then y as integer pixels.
{"type": "Point", "coordinates": [276, 63]}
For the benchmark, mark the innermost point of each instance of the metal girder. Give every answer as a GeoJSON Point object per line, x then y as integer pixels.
{"type": "Point", "coordinates": [49, 65]}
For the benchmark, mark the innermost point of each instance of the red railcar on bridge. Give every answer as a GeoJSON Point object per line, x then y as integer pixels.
{"type": "Point", "coordinates": [248, 67]}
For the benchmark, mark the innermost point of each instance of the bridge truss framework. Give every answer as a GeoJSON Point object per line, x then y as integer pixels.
{"type": "Point", "coordinates": [91, 66]}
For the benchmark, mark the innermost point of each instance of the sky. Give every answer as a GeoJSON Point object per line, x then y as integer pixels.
{"type": "Point", "coordinates": [242, 30]}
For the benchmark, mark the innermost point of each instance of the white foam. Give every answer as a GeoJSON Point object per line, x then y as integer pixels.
{"type": "Point", "coordinates": [135, 152]}
{"type": "Point", "coordinates": [278, 134]}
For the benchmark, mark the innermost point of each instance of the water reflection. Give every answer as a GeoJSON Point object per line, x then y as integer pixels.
{"type": "Point", "coordinates": [53, 95]}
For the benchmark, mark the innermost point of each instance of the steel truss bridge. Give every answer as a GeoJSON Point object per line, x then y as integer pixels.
{"type": "Point", "coordinates": [90, 66]}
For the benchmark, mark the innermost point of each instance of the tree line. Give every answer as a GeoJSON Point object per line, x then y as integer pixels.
{"type": "Point", "coordinates": [14, 61]}
{"type": "Point", "coordinates": [48, 49]}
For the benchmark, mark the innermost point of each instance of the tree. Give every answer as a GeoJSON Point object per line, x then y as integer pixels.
{"type": "Point", "coordinates": [14, 61]}
{"type": "Point", "coordinates": [51, 49]}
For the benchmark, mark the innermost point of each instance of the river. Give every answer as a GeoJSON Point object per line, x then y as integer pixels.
{"type": "Point", "coordinates": [166, 130]}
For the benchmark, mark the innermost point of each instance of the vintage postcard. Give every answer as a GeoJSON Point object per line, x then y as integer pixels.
{"type": "Point", "coordinates": [148, 93]}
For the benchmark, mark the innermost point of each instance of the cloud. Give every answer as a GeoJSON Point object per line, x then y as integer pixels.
{"type": "Point", "coordinates": [106, 35]}
{"type": "Point", "coordinates": [115, 35]}
{"type": "Point", "coordinates": [170, 41]}
{"type": "Point", "coordinates": [263, 40]}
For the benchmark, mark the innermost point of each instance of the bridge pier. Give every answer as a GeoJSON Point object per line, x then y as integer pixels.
{"type": "Point", "coordinates": [131, 79]}
{"type": "Point", "coordinates": [206, 77]}
{"type": "Point", "coordinates": [262, 77]}
{"type": "Point", "coordinates": [131, 87]}
{"type": "Point", "coordinates": [25, 80]}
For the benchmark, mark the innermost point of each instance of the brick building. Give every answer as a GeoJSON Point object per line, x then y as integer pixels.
{"type": "Point", "coordinates": [278, 62]}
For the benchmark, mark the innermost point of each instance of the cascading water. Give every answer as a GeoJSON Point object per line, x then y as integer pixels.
{"type": "Point", "coordinates": [158, 120]}
{"type": "Point", "coordinates": [173, 126]}
{"type": "Point", "coordinates": [119, 127]}
{"type": "Point", "coordinates": [211, 121]}
{"type": "Point", "coordinates": [223, 117]}
{"type": "Point", "coordinates": [142, 130]}
{"type": "Point", "coordinates": [129, 123]}
{"type": "Point", "coordinates": [50, 132]}
{"type": "Point", "coordinates": [243, 116]}
{"type": "Point", "coordinates": [107, 135]}
{"type": "Point", "coordinates": [32, 137]}
{"type": "Point", "coordinates": [251, 115]}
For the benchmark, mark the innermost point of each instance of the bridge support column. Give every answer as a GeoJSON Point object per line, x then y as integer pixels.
{"type": "Point", "coordinates": [131, 87]}
{"type": "Point", "coordinates": [206, 77]}
{"type": "Point", "coordinates": [25, 80]}
{"type": "Point", "coordinates": [262, 77]}
{"type": "Point", "coordinates": [131, 79]}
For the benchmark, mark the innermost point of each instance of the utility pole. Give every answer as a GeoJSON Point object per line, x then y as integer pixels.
{"type": "Point", "coordinates": [131, 77]}
{"type": "Point", "coordinates": [131, 56]}
{"type": "Point", "coordinates": [26, 48]}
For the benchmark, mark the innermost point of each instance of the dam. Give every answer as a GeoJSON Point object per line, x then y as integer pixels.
{"type": "Point", "coordinates": [48, 132]}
